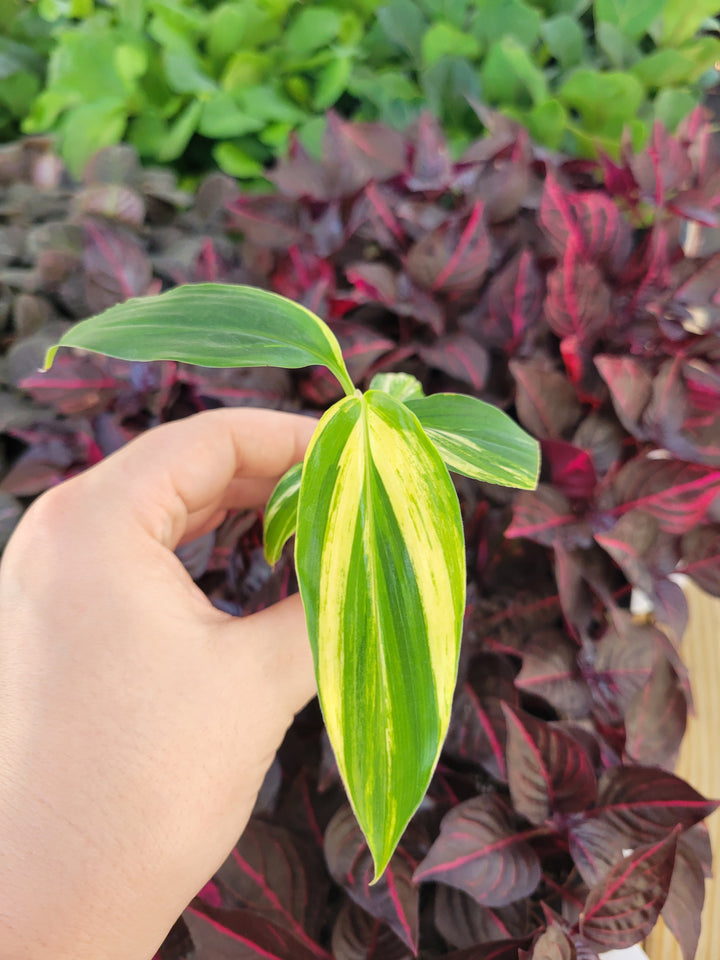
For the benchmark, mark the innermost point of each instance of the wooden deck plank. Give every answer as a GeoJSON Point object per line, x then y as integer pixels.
{"type": "Point", "coordinates": [699, 761]}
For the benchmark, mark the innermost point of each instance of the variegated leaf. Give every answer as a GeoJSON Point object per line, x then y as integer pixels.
{"type": "Point", "coordinates": [381, 565]}
{"type": "Point", "coordinates": [402, 386]}
{"type": "Point", "coordinates": [212, 325]}
{"type": "Point", "coordinates": [479, 440]}
{"type": "Point", "coordinates": [281, 513]}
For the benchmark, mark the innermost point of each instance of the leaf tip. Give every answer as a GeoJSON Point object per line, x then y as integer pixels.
{"type": "Point", "coordinates": [49, 357]}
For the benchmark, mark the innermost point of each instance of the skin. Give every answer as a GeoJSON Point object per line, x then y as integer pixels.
{"type": "Point", "coordinates": [137, 722]}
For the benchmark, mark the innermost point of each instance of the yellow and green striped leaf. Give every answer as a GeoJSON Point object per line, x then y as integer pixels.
{"type": "Point", "coordinates": [281, 513]}
{"type": "Point", "coordinates": [478, 440]}
{"type": "Point", "coordinates": [212, 325]}
{"type": "Point", "coordinates": [381, 565]}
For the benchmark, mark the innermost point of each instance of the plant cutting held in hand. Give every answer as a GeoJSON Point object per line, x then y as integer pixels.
{"type": "Point", "coordinates": [379, 545]}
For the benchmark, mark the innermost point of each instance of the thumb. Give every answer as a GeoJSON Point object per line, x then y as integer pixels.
{"type": "Point", "coordinates": [271, 651]}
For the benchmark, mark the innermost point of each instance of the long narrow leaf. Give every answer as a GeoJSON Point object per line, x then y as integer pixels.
{"type": "Point", "coordinates": [212, 325]}
{"type": "Point", "coordinates": [478, 440]}
{"type": "Point", "coordinates": [380, 560]}
{"type": "Point", "coordinates": [281, 513]}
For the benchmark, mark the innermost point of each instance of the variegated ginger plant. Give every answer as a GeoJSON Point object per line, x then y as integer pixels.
{"type": "Point", "coordinates": [379, 548]}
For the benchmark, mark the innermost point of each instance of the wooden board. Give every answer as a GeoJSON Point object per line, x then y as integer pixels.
{"type": "Point", "coordinates": [699, 761]}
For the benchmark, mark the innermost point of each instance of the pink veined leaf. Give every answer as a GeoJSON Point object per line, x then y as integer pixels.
{"type": "Point", "coordinates": [554, 944]}
{"type": "Point", "coordinates": [268, 221]}
{"type": "Point", "coordinates": [622, 909]}
{"type": "Point", "coordinates": [116, 265]}
{"type": "Point", "coordinates": [646, 803]}
{"type": "Point", "coordinates": [212, 929]}
{"type": "Point", "coordinates": [571, 469]}
{"type": "Point", "coordinates": [545, 516]}
{"type": "Point", "coordinates": [394, 898]}
{"type": "Point", "coordinates": [266, 872]}
{"type": "Point", "coordinates": [678, 494]}
{"type": "Point", "coordinates": [464, 923]}
{"type": "Point", "coordinates": [700, 551]}
{"type": "Point", "coordinates": [588, 220]}
{"type": "Point", "coordinates": [630, 387]}
{"type": "Point", "coordinates": [549, 772]}
{"type": "Point", "coordinates": [578, 301]}
{"type": "Point", "coordinates": [499, 950]}
{"type": "Point", "coordinates": [655, 719]}
{"type": "Point", "coordinates": [460, 356]}
{"type": "Point", "coordinates": [683, 908]}
{"type": "Point", "coordinates": [452, 258]}
{"type": "Point", "coordinates": [480, 852]}
{"type": "Point", "coordinates": [114, 201]}
{"type": "Point", "coordinates": [431, 167]}
{"type": "Point", "coordinates": [359, 936]}
{"type": "Point", "coordinates": [546, 402]}
{"type": "Point", "coordinates": [514, 303]}
{"type": "Point", "coordinates": [373, 151]}
{"type": "Point", "coordinates": [595, 847]}
{"type": "Point", "coordinates": [550, 670]}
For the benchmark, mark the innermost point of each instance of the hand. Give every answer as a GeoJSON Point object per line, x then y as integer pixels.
{"type": "Point", "coordinates": [137, 722]}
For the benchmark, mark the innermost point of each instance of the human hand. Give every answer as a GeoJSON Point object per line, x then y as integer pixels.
{"type": "Point", "coordinates": [137, 722]}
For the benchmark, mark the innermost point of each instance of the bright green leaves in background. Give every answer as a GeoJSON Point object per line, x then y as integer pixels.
{"type": "Point", "coordinates": [379, 547]}
{"type": "Point", "coordinates": [381, 566]}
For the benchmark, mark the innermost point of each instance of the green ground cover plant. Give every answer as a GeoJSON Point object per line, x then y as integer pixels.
{"type": "Point", "coordinates": [224, 82]}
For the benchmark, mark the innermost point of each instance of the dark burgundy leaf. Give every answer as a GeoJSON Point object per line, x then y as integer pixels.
{"type": "Point", "coordinates": [550, 670]}
{"type": "Point", "coordinates": [270, 222]}
{"type": "Point", "coordinates": [602, 438]}
{"type": "Point", "coordinates": [630, 387]}
{"type": "Point", "coordinates": [464, 922]}
{"type": "Point", "coordinates": [514, 303]}
{"type": "Point", "coordinates": [394, 898]}
{"type": "Point", "coordinates": [571, 469]}
{"type": "Point", "coordinates": [646, 803]}
{"type": "Point", "coordinates": [266, 872]}
{"type": "Point", "coordinates": [578, 301]}
{"type": "Point", "coordinates": [498, 950]}
{"type": "Point", "coordinates": [545, 516]}
{"type": "Point", "coordinates": [372, 151]}
{"type": "Point", "coordinates": [549, 772]}
{"type": "Point", "coordinates": [700, 551]}
{"type": "Point", "coordinates": [431, 168]}
{"type": "Point", "coordinates": [639, 548]}
{"type": "Point", "coordinates": [678, 494]}
{"type": "Point", "coordinates": [359, 936]}
{"type": "Point", "coordinates": [595, 847]}
{"type": "Point", "coordinates": [461, 357]}
{"type": "Point", "coordinates": [114, 201]}
{"type": "Point", "coordinates": [624, 907]}
{"type": "Point", "coordinates": [655, 719]}
{"type": "Point", "coordinates": [589, 221]}
{"type": "Point", "coordinates": [116, 266]}
{"type": "Point", "coordinates": [546, 402]}
{"type": "Point", "coordinates": [554, 944]}
{"type": "Point", "coordinates": [480, 852]}
{"type": "Point", "coordinates": [686, 897]}
{"type": "Point", "coordinates": [240, 935]}
{"type": "Point", "coordinates": [453, 258]}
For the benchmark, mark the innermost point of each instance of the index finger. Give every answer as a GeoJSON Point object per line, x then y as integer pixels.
{"type": "Point", "coordinates": [187, 466]}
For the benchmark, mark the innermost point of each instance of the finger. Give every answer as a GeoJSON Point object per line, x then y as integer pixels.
{"type": "Point", "coordinates": [194, 466]}
{"type": "Point", "coordinates": [271, 649]}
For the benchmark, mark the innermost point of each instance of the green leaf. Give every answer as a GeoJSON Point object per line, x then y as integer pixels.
{"type": "Point", "coordinates": [404, 23]}
{"type": "Point", "coordinates": [681, 20]}
{"type": "Point", "coordinates": [313, 27]}
{"type": "Point", "coordinates": [631, 17]}
{"type": "Point", "coordinates": [621, 53]}
{"type": "Point", "coordinates": [212, 325]}
{"type": "Point", "coordinates": [671, 106]}
{"type": "Point", "coordinates": [180, 132]}
{"type": "Point", "coordinates": [599, 97]}
{"type": "Point", "coordinates": [89, 127]}
{"type": "Point", "coordinates": [401, 386]}
{"type": "Point", "coordinates": [281, 513]}
{"type": "Point", "coordinates": [444, 39]}
{"type": "Point", "coordinates": [331, 82]}
{"type": "Point", "coordinates": [235, 161]}
{"type": "Point", "coordinates": [509, 75]}
{"type": "Point", "coordinates": [565, 40]}
{"type": "Point", "coordinates": [381, 566]}
{"type": "Point", "coordinates": [495, 20]}
{"type": "Point", "coordinates": [547, 123]}
{"type": "Point", "coordinates": [222, 118]}
{"type": "Point", "coordinates": [478, 440]}
{"type": "Point", "coordinates": [676, 68]}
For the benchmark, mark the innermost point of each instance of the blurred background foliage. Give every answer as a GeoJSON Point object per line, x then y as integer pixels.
{"type": "Point", "coordinates": [223, 83]}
